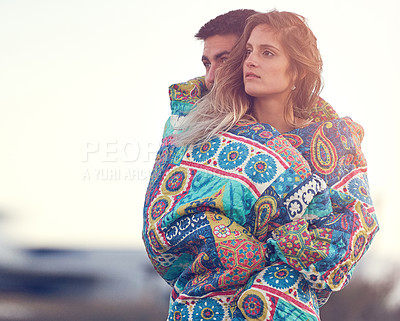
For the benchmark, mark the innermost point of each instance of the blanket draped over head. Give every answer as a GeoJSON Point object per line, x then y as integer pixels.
{"type": "Point", "coordinates": [254, 224]}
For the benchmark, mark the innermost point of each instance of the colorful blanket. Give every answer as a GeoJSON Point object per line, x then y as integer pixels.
{"type": "Point", "coordinates": [256, 225]}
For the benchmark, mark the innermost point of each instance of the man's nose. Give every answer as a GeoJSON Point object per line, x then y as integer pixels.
{"type": "Point", "coordinates": [210, 76]}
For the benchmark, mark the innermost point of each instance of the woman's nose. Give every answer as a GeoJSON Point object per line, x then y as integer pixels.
{"type": "Point", "coordinates": [250, 61]}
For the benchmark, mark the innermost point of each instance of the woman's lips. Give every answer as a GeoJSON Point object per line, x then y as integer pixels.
{"type": "Point", "coordinates": [251, 75]}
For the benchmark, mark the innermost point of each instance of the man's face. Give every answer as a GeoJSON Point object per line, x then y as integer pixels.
{"type": "Point", "coordinates": [216, 50]}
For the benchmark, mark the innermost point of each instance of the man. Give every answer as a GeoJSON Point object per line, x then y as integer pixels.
{"type": "Point", "coordinates": [220, 36]}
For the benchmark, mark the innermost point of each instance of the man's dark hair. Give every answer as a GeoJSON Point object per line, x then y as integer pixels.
{"type": "Point", "coordinates": [232, 22]}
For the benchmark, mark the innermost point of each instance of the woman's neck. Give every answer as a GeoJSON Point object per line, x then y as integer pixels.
{"type": "Point", "coordinates": [271, 111]}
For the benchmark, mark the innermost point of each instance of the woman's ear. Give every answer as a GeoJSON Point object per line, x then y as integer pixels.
{"type": "Point", "coordinates": [301, 75]}
{"type": "Point", "coordinates": [298, 75]}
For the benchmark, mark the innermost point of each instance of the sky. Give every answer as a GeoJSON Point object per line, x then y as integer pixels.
{"type": "Point", "coordinates": [84, 97]}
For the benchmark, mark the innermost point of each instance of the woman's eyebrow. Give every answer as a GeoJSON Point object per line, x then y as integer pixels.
{"type": "Point", "coordinates": [264, 46]}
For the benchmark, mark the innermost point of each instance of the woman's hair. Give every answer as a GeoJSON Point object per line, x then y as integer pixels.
{"type": "Point", "coordinates": [227, 102]}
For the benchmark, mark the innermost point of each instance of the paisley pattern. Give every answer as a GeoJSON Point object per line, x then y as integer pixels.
{"type": "Point", "coordinates": [255, 225]}
{"type": "Point", "coordinates": [265, 209]}
{"type": "Point", "coordinates": [323, 152]}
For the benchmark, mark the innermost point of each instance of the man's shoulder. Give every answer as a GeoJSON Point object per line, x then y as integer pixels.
{"type": "Point", "coordinates": [189, 91]}
{"type": "Point", "coordinates": [183, 97]}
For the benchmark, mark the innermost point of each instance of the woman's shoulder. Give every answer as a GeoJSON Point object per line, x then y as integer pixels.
{"type": "Point", "coordinates": [322, 111]}
{"type": "Point", "coordinates": [344, 126]}
{"type": "Point", "coordinates": [322, 114]}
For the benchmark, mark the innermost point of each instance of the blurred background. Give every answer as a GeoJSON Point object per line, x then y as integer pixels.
{"type": "Point", "coordinates": [83, 100]}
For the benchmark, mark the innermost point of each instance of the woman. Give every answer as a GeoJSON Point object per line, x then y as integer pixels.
{"type": "Point", "coordinates": [254, 211]}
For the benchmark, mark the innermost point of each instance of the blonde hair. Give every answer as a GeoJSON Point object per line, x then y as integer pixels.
{"type": "Point", "coordinates": [227, 102]}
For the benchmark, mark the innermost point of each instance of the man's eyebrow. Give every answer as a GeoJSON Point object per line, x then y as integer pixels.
{"type": "Point", "coordinates": [217, 56]}
{"type": "Point", "coordinates": [220, 54]}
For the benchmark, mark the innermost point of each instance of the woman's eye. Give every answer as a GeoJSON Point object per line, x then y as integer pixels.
{"type": "Point", "coordinates": [248, 52]}
{"type": "Point", "coordinates": [268, 53]}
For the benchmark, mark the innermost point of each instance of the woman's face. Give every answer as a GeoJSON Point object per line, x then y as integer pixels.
{"type": "Point", "coordinates": [266, 68]}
